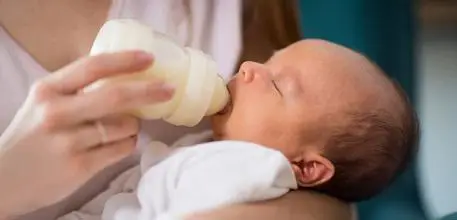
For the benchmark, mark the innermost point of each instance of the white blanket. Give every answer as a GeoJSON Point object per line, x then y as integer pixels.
{"type": "Point", "coordinates": [172, 182]}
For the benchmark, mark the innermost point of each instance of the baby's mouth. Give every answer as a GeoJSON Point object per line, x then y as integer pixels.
{"type": "Point", "coordinates": [228, 107]}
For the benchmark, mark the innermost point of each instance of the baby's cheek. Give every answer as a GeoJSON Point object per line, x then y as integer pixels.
{"type": "Point", "coordinates": [242, 120]}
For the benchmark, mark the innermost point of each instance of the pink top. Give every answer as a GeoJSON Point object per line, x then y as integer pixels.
{"type": "Point", "coordinates": [205, 27]}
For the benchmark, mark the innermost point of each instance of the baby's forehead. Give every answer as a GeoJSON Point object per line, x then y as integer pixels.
{"type": "Point", "coordinates": [326, 61]}
{"type": "Point", "coordinates": [307, 65]}
{"type": "Point", "coordinates": [319, 51]}
{"type": "Point", "coordinates": [332, 73]}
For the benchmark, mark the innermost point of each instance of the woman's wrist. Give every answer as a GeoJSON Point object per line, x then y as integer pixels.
{"type": "Point", "coordinates": [5, 211]}
{"type": "Point", "coordinates": [10, 205]}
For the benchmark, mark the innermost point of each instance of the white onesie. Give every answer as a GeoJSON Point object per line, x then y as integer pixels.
{"type": "Point", "coordinates": [173, 182]}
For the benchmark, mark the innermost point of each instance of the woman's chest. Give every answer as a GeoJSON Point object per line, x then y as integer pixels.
{"type": "Point", "coordinates": [54, 36]}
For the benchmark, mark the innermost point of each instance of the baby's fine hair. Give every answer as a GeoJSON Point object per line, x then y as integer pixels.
{"type": "Point", "coordinates": [370, 151]}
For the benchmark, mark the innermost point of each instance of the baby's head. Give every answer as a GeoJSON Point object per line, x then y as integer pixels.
{"type": "Point", "coordinates": [346, 128]}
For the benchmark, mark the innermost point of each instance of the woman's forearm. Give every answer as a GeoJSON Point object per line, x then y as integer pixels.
{"type": "Point", "coordinates": [293, 206]}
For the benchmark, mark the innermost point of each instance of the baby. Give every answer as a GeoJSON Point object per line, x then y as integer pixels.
{"type": "Point", "coordinates": [344, 126]}
{"type": "Point", "coordinates": [315, 116]}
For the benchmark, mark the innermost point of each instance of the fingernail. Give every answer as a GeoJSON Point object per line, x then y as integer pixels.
{"type": "Point", "coordinates": [144, 57]}
{"type": "Point", "coordinates": [167, 87]}
{"type": "Point", "coordinates": [167, 91]}
{"type": "Point", "coordinates": [163, 91]}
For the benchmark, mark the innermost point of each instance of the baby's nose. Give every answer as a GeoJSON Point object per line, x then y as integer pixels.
{"type": "Point", "coordinates": [251, 70]}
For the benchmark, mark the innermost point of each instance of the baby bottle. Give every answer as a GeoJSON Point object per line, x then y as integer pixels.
{"type": "Point", "coordinates": [199, 90]}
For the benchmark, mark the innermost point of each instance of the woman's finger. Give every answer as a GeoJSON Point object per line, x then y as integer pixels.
{"type": "Point", "coordinates": [102, 132]}
{"type": "Point", "coordinates": [87, 70]}
{"type": "Point", "coordinates": [104, 101]}
{"type": "Point", "coordinates": [115, 99]}
{"type": "Point", "coordinates": [99, 158]}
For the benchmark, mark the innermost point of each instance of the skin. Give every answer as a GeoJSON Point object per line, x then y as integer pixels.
{"type": "Point", "coordinates": [291, 102]}
{"type": "Point", "coordinates": [54, 132]}
{"type": "Point", "coordinates": [300, 205]}
{"type": "Point", "coordinates": [74, 26]}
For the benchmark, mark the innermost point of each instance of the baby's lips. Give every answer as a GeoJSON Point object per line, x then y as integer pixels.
{"type": "Point", "coordinates": [231, 85]}
{"type": "Point", "coordinates": [228, 107]}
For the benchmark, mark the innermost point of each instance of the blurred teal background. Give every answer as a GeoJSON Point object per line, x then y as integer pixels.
{"type": "Point", "coordinates": [389, 32]}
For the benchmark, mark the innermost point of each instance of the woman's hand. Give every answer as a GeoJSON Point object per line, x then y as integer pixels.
{"type": "Point", "coordinates": [61, 137]}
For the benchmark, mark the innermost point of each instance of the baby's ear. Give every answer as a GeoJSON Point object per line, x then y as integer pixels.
{"type": "Point", "coordinates": [313, 170]}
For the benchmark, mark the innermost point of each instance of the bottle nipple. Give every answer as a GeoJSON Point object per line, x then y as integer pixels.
{"type": "Point", "coordinates": [199, 90]}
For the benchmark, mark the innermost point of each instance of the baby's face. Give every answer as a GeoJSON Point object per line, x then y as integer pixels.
{"type": "Point", "coordinates": [287, 101]}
